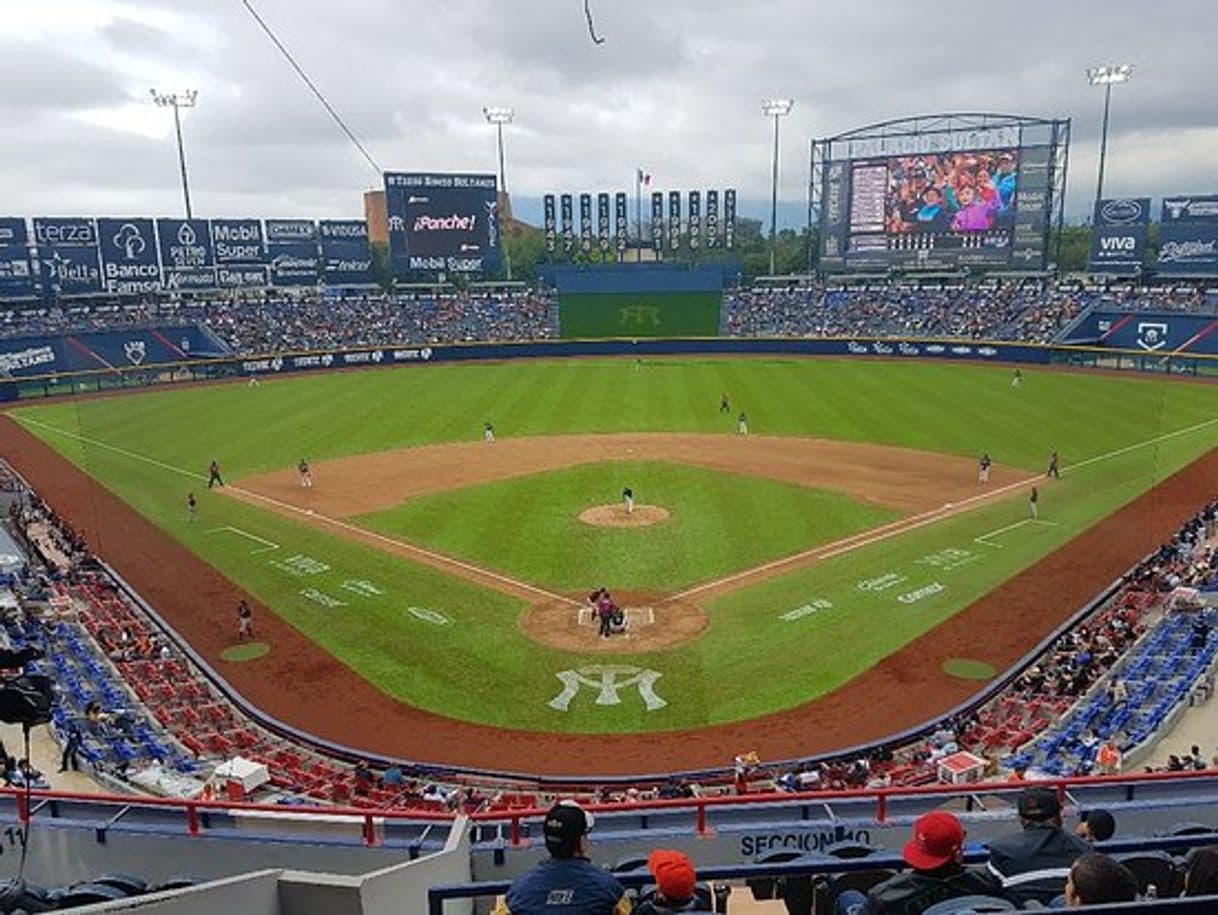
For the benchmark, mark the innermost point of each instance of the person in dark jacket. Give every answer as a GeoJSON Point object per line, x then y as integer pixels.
{"type": "Point", "coordinates": [935, 853]}
{"type": "Point", "coordinates": [1033, 864]}
{"type": "Point", "coordinates": [1095, 879]}
{"type": "Point", "coordinates": [676, 886]}
{"type": "Point", "coordinates": [566, 883]}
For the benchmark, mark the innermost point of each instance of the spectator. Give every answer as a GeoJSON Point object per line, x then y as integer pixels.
{"type": "Point", "coordinates": [676, 885]}
{"type": "Point", "coordinates": [1201, 871]}
{"type": "Point", "coordinates": [1031, 864]}
{"type": "Point", "coordinates": [70, 748]}
{"type": "Point", "coordinates": [1096, 826]}
{"type": "Point", "coordinates": [1095, 879]}
{"type": "Point", "coordinates": [566, 883]}
{"type": "Point", "coordinates": [935, 852]}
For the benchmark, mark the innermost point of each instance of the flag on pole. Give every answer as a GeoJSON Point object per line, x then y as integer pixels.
{"type": "Point", "coordinates": [644, 179]}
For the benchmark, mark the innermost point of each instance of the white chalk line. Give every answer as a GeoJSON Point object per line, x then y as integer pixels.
{"type": "Point", "coordinates": [984, 539]}
{"type": "Point", "coordinates": [903, 525]}
{"type": "Point", "coordinates": [438, 559]}
{"type": "Point", "coordinates": [268, 545]}
{"type": "Point", "coordinates": [825, 551]}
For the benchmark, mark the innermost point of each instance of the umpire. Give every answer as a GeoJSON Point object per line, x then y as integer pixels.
{"type": "Point", "coordinates": [566, 883]}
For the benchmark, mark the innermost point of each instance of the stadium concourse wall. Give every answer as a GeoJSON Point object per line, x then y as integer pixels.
{"type": "Point", "coordinates": [53, 366]}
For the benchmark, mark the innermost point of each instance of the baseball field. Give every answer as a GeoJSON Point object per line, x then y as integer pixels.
{"type": "Point", "coordinates": [800, 587]}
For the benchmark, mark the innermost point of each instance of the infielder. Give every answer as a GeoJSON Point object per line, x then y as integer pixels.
{"type": "Point", "coordinates": [628, 500]}
{"type": "Point", "coordinates": [1033, 501]}
{"type": "Point", "coordinates": [1053, 470]}
{"type": "Point", "coordinates": [983, 468]}
{"type": "Point", "coordinates": [488, 433]}
{"type": "Point", "coordinates": [725, 405]}
{"type": "Point", "coordinates": [213, 475]}
{"type": "Point", "coordinates": [192, 506]}
{"type": "Point", "coordinates": [245, 622]}
{"type": "Point", "coordinates": [742, 424]}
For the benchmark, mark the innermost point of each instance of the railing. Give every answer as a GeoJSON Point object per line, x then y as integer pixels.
{"type": "Point", "coordinates": [824, 865]}
{"type": "Point", "coordinates": [30, 805]}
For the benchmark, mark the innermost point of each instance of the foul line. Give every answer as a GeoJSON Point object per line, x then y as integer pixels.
{"type": "Point", "coordinates": [984, 539]}
{"type": "Point", "coordinates": [268, 545]}
{"type": "Point", "coordinates": [903, 525]}
{"type": "Point", "coordinates": [437, 559]}
{"type": "Point", "coordinates": [825, 551]}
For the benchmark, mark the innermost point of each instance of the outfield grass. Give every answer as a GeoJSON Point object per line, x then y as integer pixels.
{"type": "Point", "coordinates": [451, 646]}
{"type": "Point", "coordinates": [529, 527]}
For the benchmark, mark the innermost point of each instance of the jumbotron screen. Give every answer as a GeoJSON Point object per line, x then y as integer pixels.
{"type": "Point", "coordinates": [937, 209]}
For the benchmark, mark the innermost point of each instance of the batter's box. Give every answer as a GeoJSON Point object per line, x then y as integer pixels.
{"type": "Point", "coordinates": [635, 616]}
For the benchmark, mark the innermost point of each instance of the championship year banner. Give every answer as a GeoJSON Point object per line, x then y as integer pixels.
{"type": "Point", "coordinates": [602, 222]}
{"type": "Point", "coordinates": [585, 222]}
{"type": "Point", "coordinates": [130, 262]}
{"type": "Point", "coordinates": [568, 223]}
{"type": "Point", "coordinates": [695, 220]}
{"type": "Point", "coordinates": [711, 235]}
{"type": "Point", "coordinates": [550, 223]}
{"type": "Point", "coordinates": [657, 220]}
{"type": "Point", "coordinates": [729, 218]}
{"type": "Point", "coordinates": [674, 220]}
{"type": "Point", "coordinates": [443, 223]}
{"type": "Point", "coordinates": [622, 222]}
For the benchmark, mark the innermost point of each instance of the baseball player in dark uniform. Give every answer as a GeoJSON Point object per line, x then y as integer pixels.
{"type": "Point", "coordinates": [245, 621]}
{"type": "Point", "coordinates": [1034, 504]}
{"type": "Point", "coordinates": [1053, 470]}
{"type": "Point", "coordinates": [725, 405]}
{"type": "Point", "coordinates": [192, 506]}
{"type": "Point", "coordinates": [213, 475]}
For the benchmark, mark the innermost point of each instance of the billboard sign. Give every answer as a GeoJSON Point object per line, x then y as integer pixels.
{"type": "Point", "coordinates": [76, 232]}
{"type": "Point", "coordinates": [68, 258]}
{"type": "Point", "coordinates": [185, 244]}
{"type": "Point", "coordinates": [345, 251]}
{"type": "Point", "coordinates": [16, 270]}
{"type": "Point", "coordinates": [1188, 248]}
{"type": "Point", "coordinates": [443, 223]}
{"type": "Point", "coordinates": [1194, 208]}
{"type": "Point", "coordinates": [292, 246]}
{"type": "Point", "coordinates": [1118, 235]}
{"type": "Point", "coordinates": [238, 241]}
{"type": "Point", "coordinates": [129, 259]}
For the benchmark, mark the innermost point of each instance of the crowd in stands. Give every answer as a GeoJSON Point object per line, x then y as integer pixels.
{"type": "Point", "coordinates": [263, 325]}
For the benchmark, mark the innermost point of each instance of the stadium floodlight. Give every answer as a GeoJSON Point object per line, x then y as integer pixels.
{"type": "Point", "coordinates": [177, 101]}
{"type": "Point", "coordinates": [1106, 76]}
{"type": "Point", "coordinates": [498, 116]}
{"type": "Point", "coordinates": [776, 108]}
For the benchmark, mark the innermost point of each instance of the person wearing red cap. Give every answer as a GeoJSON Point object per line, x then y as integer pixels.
{"type": "Point", "coordinates": [935, 853]}
{"type": "Point", "coordinates": [676, 886]}
{"type": "Point", "coordinates": [566, 883]}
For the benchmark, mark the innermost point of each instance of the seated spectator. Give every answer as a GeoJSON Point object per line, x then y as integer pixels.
{"type": "Point", "coordinates": [1033, 863]}
{"type": "Point", "coordinates": [1095, 879]}
{"type": "Point", "coordinates": [1096, 826]}
{"type": "Point", "coordinates": [393, 777]}
{"type": "Point", "coordinates": [1201, 872]}
{"type": "Point", "coordinates": [676, 885]}
{"type": "Point", "coordinates": [365, 778]}
{"type": "Point", "coordinates": [935, 852]}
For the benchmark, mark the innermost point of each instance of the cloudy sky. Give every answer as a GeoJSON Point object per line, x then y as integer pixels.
{"type": "Point", "coordinates": [675, 88]}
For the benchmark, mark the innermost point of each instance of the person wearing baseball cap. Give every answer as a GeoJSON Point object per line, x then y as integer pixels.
{"type": "Point", "coordinates": [1033, 863]}
{"type": "Point", "coordinates": [935, 853]}
{"type": "Point", "coordinates": [676, 886]}
{"type": "Point", "coordinates": [566, 883]}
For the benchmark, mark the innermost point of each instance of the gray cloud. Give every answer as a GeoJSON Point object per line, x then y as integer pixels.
{"type": "Point", "coordinates": [676, 89]}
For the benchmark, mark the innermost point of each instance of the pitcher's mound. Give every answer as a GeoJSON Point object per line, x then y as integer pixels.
{"type": "Point", "coordinates": [615, 516]}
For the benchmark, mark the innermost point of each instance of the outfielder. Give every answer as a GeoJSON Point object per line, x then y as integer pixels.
{"type": "Point", "coordinates": [628, 500]}
{"type": "Point", "coordinates": [725, 405]}
{"type": "Point", "coordinates": [1017, 379]}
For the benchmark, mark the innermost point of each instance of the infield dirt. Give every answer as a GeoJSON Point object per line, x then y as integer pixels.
{"type": "Point", "coordinates": [301, 684]}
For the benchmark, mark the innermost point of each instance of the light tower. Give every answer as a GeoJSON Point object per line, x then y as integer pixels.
{"type": "Point", "coordinates": [1106, 76]}
{"type": "Point", "coordinates": [178, 101]}
{"type": "Point", "coordinates": [776, 108]}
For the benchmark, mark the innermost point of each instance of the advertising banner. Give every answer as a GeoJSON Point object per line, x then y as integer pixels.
{"type": "Point", "coordinates": [729, 218]}
{"type": "Point", "coordinates": [443, 223]}
{"type": "Point", "coordinates": [1118, 235]}
{"type": "Point", "coordinates": [1122, 211]}
{"type": "Point", "coordinates": [1188, 248]}
{"type": "Point", "coordinates": [674, 220]}
{"type": "Point", "coordinates": [129, 258]}
{"type": "Point", "coordinates": [550, 223]}
{"type": "Point", "coordinates": [1193, 208]}
{"type": "Point", "coordinates": [295, 257]}
{"type": "Point", "coordinates": [16, 268]}
{"type": "Point", "coordinates": [568, 224]}
{"type": "Point", "coordinates": [622, 222]}
{"type": "Point", "coordinates": [711, 235]}
{"type": "Point", "coordinates": [602, 222]}
{"type": "Point", "coordinates": [237, 241]}
{"type": "Point", "coordinates": [695, 220]}
{"type": "Point", "coordinates": [69, 263]}
{"type": "Point", "coordinates": [345, 251]}
{"type": "Point", "coordinates": [185, 244]}
{"type": "Point", "coordinates": [77, 232]}
{"type": "Point", "coordinates": [657, 220]}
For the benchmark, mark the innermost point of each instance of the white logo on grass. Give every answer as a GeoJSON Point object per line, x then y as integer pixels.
{"type": "Point", "coordinates": [607, 679]}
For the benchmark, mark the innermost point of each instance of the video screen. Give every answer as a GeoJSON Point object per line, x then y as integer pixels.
{"type": "Point", "coordinates": [962, 192]}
